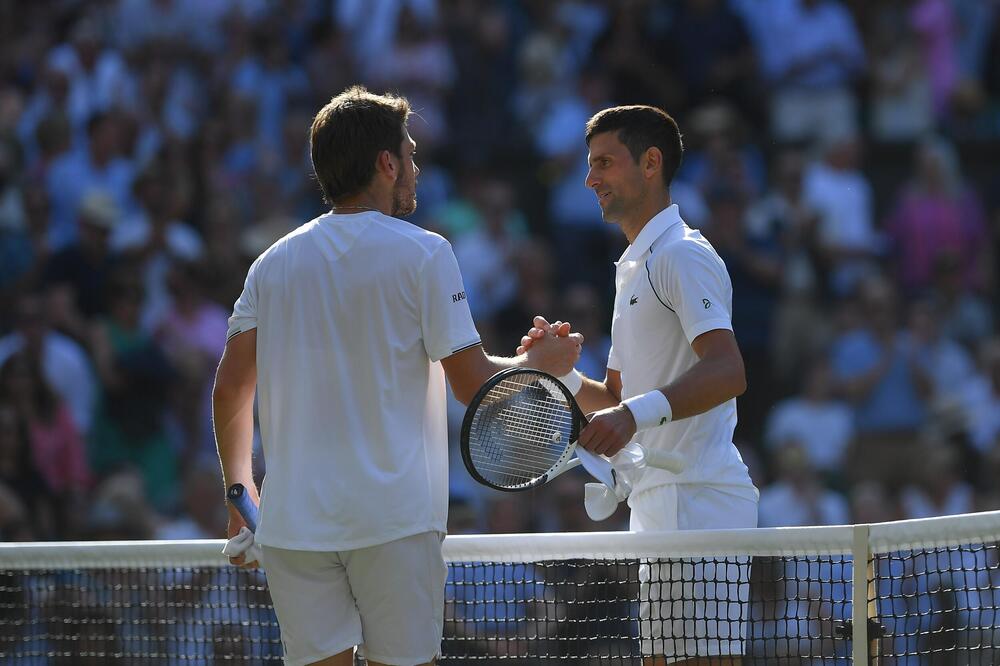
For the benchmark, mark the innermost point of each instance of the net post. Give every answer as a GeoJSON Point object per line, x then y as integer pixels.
{"type": "Point", "coordinates": [861, 553]}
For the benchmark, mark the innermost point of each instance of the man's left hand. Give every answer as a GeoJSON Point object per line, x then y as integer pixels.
{"type": "Point", "coordinates": [609, 431]}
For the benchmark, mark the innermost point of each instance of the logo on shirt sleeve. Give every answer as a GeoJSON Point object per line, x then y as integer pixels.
{"type": "Point", "coordinates": [460, 296]}
{"type": "Point", "coordinates": [707, 303]}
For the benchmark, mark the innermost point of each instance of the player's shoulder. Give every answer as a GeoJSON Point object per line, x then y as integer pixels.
{"type": "Point", "coordinates": [277, 247]}
{"type": "Point", "coordinates": [407, 235]}
{"type": "Point", "coordinates": [681, 247]}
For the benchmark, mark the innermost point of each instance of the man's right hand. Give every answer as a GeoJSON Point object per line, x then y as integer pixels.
{"type": "Point", "coordinates": [554, 353]}
{"type": "Point", "coordinates": [540, 329]}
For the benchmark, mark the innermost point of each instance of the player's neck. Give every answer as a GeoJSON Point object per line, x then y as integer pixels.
{"type": "Point", "coordinates": [643, 213]}
{"type": "Point", "coordinates": [362, 203]}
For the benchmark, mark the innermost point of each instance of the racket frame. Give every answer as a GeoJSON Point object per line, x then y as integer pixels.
{"type": "Point", "coordinates": [566, 460]}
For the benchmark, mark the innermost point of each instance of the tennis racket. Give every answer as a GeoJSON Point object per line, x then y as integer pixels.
{"type": "Point", "coordinates": [520, 431]}
{"type": "Point", "coordinates": [240, 498]}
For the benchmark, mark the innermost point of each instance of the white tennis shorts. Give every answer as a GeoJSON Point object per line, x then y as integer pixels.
{"type": "Point", "coordinates": [387, 599]}
{"type": "Point", "coordinates": [693, 607]}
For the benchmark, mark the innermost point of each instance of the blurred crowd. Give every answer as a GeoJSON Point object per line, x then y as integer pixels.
{"type": "Point", "coordinates": [841, 157]}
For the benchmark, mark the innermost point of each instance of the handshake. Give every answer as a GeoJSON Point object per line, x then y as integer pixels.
{"type": "Point", "coordinates": [551, 348]}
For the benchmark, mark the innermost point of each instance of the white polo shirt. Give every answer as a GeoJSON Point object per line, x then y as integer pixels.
{"type": "Point", "coordinates": [353, 313]}
{"type": "Point", "coordinates": [671, 287]}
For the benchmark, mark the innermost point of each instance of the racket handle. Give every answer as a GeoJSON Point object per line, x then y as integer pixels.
{"type": "Point", "coordinates": [670, 462]}
{"type": "Point", "coordinates": [240, 499]}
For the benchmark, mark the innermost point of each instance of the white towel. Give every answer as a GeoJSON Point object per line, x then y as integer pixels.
{"type": "Point", "coordinates": [243, 544]}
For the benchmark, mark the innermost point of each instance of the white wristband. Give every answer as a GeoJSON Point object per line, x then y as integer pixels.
{"type": "Point", "coordinates": [573, 381]}
{"type": "Point", "coordinates": [649, 410]}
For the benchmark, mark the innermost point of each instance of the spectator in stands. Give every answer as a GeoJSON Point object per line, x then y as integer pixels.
{"type": "Point", "coordinates": [192, 334]}
{"type": "Point", "coordinates": [945, 363]}
{"type": "Point", "coordinates": [720, 157]}
{"type": "Point", "coordinates": [816, 419]}
{"type": "Point", "coordinates": [837, 189]}
{"type": "Point", "coordinates": [55, 446]}
{"type": "Point", "coordinates": [936, 24]}
{"type": "Point", "coordinates": [274, 81]}
{"type": "Point", "coordinates": [981, 397]}
{"type": "Point", "coordinates": [225, 263]}
{"type": "Point", "coordinates": [76, 277]}
{"type": "Point", "coordinates": [800, 327]}
{"type": "Point", "coordinates": [120, 509]}
{"type": "Point", "coordinates": [876, 370]}
{"type": "Point", "coordinates": [102, 165]}
{"type": "Point", "coordinates": [131, 425]}
{"type": "Point", "coordinates": [814, 57]}
{"type": "Point", "coordinates": [583, 305]}
{"type": "Point", "coordinates": [871, 502]}
{"type": "Point", "coordinates": [157, 237]}
{"type": "Point", "coordinates": [99, 78]}
{"type": "Point", "coordinates": [937, 489]}
{"type": "Point", "coordinates": [64, 363]}
{"type": "Point", "coordinates": [798, 496]}
{"type": "Point", "coordinates": [586, 244]}
{"type": "Point", "coordinates": [48, 101]}
{"type": "Point", "coordinates": [901, 107]}
{"type": "Point", "coordinates": [708, 47]}
{"type": "Point", "coordinates": [937, 214]}
{"type": "Point", "coordinates": [200, 517]}
{"type": "Point", "coordinates": [963, 314]}
{"type": "Point", "coordinates": [26, 506]}
{"type": "Point", "coordinates": [487, 252]}
{"type": "Point", "coordinates": [754, 263]}
{"type": "Point", "coordinates": [420, 64]}
{"type": "Point", "coordinates": [17, 252]}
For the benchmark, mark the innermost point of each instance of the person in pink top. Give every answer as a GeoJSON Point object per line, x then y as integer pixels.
{"type": "Point", "coordinates": [935, 22]}
{"type": "Point", "coordinates": [56, 448]}
{"type": "Point", "coordinates": [937, 215]}
{"type": "Point", "coordinates": [193, 334]}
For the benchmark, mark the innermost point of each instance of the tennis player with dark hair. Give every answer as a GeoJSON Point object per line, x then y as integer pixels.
{"type": "Point", "coordinates": [674, 372]}
{"type": "Point", "coordinates": [347, 328]}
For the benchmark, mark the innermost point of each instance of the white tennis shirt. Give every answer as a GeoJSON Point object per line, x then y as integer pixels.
{"type": "Point", "coordinates": [353, 313]}
{"type": "Point", "coordinates": [671, 286]}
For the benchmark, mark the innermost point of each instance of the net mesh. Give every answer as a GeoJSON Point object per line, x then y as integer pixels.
{"type": "Point", "coordinates": [940, 605]}
{"type": "Point", "coordinates": [771, 596]}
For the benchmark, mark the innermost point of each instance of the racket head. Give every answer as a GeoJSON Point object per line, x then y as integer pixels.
{"type": "Point", "coordinates": [520, 426]}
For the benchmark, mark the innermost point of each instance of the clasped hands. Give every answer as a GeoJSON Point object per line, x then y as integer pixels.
{"type": "Point", "coordinates": [609, 429]}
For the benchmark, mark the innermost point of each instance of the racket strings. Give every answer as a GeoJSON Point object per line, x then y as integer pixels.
{"type": "Point", "coordinates": [536, 421]}
{"type": "Point", "coordinates": [520, 430]}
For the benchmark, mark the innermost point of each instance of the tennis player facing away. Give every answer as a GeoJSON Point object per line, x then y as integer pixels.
{"type": "Point", "coordinates": [347, 328]}
{"type": "Point", "coordinates": [674, 372]}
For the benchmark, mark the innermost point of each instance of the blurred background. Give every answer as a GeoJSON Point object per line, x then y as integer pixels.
{"type": "Point", "coordinates": [842, 157]}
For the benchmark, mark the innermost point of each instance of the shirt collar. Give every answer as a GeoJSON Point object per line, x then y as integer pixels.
{"type": "Point", "coordinates": [665, 219]}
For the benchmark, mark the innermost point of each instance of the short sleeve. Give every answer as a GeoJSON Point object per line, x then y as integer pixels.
{"type": "Point", "coordinates": [445, 319]}
{"type": "Point", "coordinates": [613, 362]}
{"type": "Point", "coordinates": [692, 281]}
{"type": "Point", "coordinates": [244, 317]}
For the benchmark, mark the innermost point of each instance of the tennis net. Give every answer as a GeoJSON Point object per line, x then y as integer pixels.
{"type": "Point", "coordinates": [930, 591]}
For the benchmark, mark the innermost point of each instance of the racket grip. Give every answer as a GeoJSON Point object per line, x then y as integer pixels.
{"type": "Point", "coordinates": [240, 498]}
{"type": "Point", "coordinates": [670, 462]}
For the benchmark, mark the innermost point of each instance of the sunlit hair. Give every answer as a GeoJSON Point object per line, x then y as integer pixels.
{"type": "Point", "coordinates": [640, 128]}
{"type": "Point", "coordinates": [347, 136]}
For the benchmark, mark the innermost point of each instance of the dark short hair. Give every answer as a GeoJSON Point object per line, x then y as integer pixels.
{"type": "Point", "coordinates": [348, 134]}
{"type": "Point", "coordinates": [640, 128]}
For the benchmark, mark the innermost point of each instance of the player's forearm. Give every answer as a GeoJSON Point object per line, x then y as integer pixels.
{"type": "Point", "coordinates": [709, 383]}
{"type": "Point", "coordinates": [595, 395]}
{"type": "Point", "coordinates": [233, 419]}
